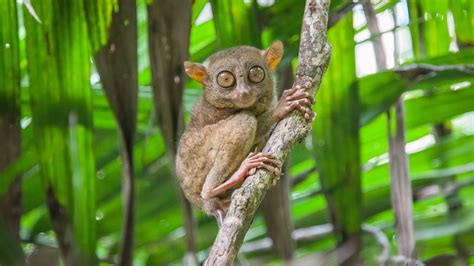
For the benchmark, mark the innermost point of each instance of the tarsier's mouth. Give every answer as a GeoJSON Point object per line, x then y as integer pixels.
{"type": "Point", "coordinates": [245, 103]}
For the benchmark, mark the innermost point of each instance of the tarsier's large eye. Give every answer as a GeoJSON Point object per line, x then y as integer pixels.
{"type": "Point", "coordinates": [256, 74]}
{"type": "Point", "coordinates": [225, 79]}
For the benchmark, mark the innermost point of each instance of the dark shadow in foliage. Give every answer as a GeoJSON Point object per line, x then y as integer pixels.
{"type": "Point", "coordinates": [10, 141]}
{"type": "Point", "coordinates": [117, 65]}
{"type": "Point", "coordinates": [169, 28]}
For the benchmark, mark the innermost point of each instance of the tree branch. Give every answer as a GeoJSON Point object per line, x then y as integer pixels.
{"type": "Point", "coordinates": [302, 176]}
{"type": "Point", "coordinates": [308, 233]}
{"type": "Point", "coordinates": [313, 61]}
{"type": "Point", "coordinates": [419, 71]}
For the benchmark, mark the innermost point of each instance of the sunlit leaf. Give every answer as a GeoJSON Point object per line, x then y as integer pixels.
{"type": "Point", "coordinates": [335, 135]}
{"type": "Point", "coordinates": [58, 68]}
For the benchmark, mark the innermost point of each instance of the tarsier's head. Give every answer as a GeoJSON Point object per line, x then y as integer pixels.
{"type": "Point", "coordinates": [237, 77]}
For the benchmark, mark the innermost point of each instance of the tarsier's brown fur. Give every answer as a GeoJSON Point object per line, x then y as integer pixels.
{"type": "Point", "coordinates": [226, 123]}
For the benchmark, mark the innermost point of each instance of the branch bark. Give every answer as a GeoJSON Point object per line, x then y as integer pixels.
{"type": "Point", "coordinates": [314, 55]}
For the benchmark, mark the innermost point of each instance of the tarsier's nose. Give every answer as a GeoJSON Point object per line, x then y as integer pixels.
{"type": "Point", "coordinates": [243, 93]}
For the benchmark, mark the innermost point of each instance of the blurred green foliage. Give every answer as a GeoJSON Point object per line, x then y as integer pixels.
{"type": "Point", "coordinates": [70, 143]}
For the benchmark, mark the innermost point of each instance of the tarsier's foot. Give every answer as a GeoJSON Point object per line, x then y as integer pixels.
{"type": "Point", "coordinates": [262, 160]}
{"type": "Point", "coordinates": [248, 167]}
{"type": "Point", "coordinates": [296, 98]}
{"type": "Point", "coordinates": [275, 168]}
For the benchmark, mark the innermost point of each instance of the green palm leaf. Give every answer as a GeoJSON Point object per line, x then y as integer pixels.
{"type": "Point", "coordinates": [61, 106]}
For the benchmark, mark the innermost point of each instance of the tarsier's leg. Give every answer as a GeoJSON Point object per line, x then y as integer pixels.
{"type": "Point", "coordinates": [231, 142]}
{"type": "Point", "coordinates": [234, 139]}
{"type": "Point", "coordinates": [295, 98]}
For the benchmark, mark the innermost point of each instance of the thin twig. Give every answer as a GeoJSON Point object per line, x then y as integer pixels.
{"type": "Point", "coordinates": [419, 71]}
{"type": "Point", "coordinates": [302, 176]}
{"type": "Point", "coordinates": [382, 240]}
{"type": "Point", "coordinates": [341, 13]}
{"type": "Point", "coordinates": [302, 234]}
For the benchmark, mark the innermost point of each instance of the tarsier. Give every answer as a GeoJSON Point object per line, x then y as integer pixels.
{"type": "Point", "coordinates": [237, 110]}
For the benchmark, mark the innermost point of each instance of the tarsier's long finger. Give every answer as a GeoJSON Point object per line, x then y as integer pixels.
{"type": "Point", "coordinates": [272, 169]}
{"type": "Point", "coordinates": [269, 168]}
{"type": "Point", "coordinates": [310, 99]}
{"type": "Point", "coordinates": [306, 102]}
{"type": "Point", "coordinates": [297, 105]}
{"type": "Point", "coordinates": [306, 111]}
{"type": "Point", "coordinates": [301, 108]}
{"type": "Point", "coordinates": [297, 96]}
{"type": "Point", "coordinates": [291, 106]}
{"type": "Point", "coordinates": [291, 91]}
{"type": "Point", "coordinates": [249, 166]}
{"type": "Point", "coordinates": [254, 155]}
{"type": "Point", "coordinates": [310, 116]}
{"type": "Point", "coordinates": [295, 89]}
{"type": "Point", "coordinates": [303, 86]}
{"type": "Point", "coordinates": [260, 155]}
{"type": "Point", "coordinates": [266, 160]}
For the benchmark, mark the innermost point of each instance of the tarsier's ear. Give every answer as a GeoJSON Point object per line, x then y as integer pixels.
{"type": "Point", "coordinates": [273, 54]}
{"type": "Point", "coordinates": [196, 71]}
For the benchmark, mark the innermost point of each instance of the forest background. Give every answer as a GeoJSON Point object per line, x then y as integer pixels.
{"type": "Point", "coordinates": [93, 98]}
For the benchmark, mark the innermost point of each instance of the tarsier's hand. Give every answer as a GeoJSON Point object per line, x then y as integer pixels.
{"type": "Point", "coordinates": [295, 98]}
